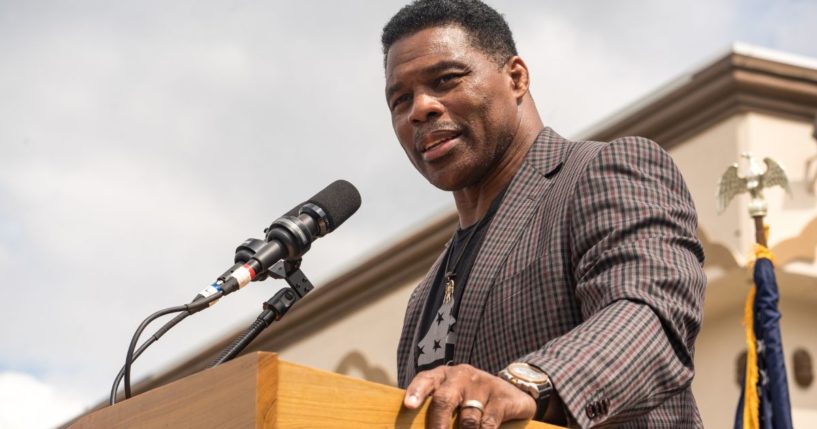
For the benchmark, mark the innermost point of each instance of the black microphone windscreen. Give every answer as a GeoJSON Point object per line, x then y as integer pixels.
{"type": "Point", "coordinates": [339, 200]}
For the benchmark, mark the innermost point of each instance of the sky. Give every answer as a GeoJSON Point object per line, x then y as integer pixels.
{"type": "Point", "coordinates": [142, 141]}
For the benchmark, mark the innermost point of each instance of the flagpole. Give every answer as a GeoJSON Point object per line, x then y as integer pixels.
{"type": "Point", "coordinates": [760, 230]}
{"type": "Point", "coordinates": [764, 400]}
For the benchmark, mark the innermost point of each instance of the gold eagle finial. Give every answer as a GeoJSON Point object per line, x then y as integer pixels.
{"type": "Point", "coordinates": [759, 178]}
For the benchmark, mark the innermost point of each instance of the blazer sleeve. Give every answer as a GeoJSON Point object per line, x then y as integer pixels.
{"type": "Point", "coordinates": [639, 283]}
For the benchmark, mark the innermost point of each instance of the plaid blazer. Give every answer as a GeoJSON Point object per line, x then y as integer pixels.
{"type": "Point", "coordinates": [591, 270]}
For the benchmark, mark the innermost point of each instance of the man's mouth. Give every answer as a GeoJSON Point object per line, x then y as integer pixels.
{"type": "Point", "coordinates": [438, 138]}
{"type": "Point", "coordinates": [437, 144]}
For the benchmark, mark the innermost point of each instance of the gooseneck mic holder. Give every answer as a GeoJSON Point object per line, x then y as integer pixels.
{"type": "Point", "coordinates": [274, 309]}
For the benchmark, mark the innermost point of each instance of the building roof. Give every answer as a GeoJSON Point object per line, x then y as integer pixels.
{"type": "Point", "coordinates": [746, 78]}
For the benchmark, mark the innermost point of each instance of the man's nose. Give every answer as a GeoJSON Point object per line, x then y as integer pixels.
{"type": "Point", "coordinates": [425, 107]}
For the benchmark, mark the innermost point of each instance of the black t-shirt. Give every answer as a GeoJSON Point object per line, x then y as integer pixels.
{"type": "Point", "coordinates": [438, 323]}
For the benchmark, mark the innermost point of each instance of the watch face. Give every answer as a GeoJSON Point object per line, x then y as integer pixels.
{"type": "Point", "coordinates": [527, 373]}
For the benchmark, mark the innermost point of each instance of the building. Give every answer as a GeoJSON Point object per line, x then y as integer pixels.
{"type": "Point", "coordinates": [750, 100]}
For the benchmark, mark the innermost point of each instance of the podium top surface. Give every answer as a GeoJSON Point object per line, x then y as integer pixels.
{"type": "Point", "coordinates": [260, 391]}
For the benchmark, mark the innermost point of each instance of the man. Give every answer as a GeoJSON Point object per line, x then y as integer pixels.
{"type": "Point", "coordinates": [572, 291]}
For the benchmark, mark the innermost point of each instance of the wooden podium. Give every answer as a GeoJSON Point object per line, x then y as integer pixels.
{"type": "Point", "coordinates": [259, 391]}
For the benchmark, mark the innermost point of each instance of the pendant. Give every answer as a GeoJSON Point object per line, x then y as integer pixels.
{"type": "Point", "coordinates": [449, 290]}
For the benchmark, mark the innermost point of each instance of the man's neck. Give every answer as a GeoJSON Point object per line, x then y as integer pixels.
{"type": "Point", "coordinates": [473, 202]}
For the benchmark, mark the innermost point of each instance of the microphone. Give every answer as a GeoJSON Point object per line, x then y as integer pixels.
{"type": "Point", "coordinates": [291, 235]}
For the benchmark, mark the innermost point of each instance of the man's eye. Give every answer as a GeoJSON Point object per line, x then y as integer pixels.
{"type": "Point", "coordinates": [447, 79]}
{"type": "Point", "coordinates": [399, 100]}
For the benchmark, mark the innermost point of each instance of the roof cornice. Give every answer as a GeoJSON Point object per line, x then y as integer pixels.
{"type": "Point", "coordinates": [746, 79]}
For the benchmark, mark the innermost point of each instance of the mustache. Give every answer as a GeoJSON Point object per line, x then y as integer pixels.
{"type": "Point", "coordinates": [420, 133]}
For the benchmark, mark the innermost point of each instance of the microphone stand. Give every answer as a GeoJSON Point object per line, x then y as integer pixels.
{"type": "Point", "coordinates": [274, 308]}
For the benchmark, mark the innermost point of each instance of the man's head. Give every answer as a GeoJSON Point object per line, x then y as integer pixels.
{"type": "Point", "coordinates": [486, 28]}
{"type": "Point", "coordinates": [457, 95]}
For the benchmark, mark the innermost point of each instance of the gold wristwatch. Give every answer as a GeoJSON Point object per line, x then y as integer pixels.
{"type": "Point", "coordinates": [532, 381]}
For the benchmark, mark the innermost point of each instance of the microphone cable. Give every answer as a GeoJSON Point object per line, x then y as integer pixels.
{"type": "Point", "coordinates": [225, 284]}
{"type": "Point", "coordinates": [185, 310]}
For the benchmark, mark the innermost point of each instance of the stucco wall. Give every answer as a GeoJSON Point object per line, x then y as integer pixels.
{"type": "Point", "coordinates": [703, 159]}
{"type": "Point", "coordinates": [372, 332]}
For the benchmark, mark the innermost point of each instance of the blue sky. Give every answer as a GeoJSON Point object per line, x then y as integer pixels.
{"type": "Point", "coordinates": [140, 142]}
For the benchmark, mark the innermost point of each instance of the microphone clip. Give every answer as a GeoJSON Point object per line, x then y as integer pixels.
{"type": "Point", "coordinates": [291, 272]}
{"type": "Point", "coordinates": [285, 298]}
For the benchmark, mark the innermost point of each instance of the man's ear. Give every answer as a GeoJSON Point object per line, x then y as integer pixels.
{"type": "Point", "coordinates": [518, 72]}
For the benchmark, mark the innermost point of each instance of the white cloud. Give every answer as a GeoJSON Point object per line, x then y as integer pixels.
{"type": "Point", "coordinates": [29, 403]}
{"type": "Point", "coordinates": [5, 259]}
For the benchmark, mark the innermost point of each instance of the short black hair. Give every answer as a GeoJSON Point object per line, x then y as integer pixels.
{"type": "Point", "coordinates": [485, 26]}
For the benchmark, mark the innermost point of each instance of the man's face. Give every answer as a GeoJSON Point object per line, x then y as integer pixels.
{"type": "Point", "coordinates": [453, 108]}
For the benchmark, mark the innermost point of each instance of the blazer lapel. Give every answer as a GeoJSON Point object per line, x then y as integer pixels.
{"type": "Point", "coordinates": [417, 308]}
{"type": "Point", "coordinates": [524, 193]}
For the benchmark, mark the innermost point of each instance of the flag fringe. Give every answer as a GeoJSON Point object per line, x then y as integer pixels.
{"type": "Point", "coordinates": [751, 402]}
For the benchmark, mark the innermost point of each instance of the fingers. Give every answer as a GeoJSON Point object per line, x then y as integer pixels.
{"type": "Point", "coordinates": [448, 387]}
{"type": "Point", "coordinates": [472, 410]}
{"type": "Point", "coordinates": [493, 415]}
{"type": "Point", "coordinates": [483, 400]}
{"type": "Point", "coordinates": [423, 384]}
{"type": "Point", "coordinates": [507, 403]}
{"type": "Point", "coordinates": [444, 404]}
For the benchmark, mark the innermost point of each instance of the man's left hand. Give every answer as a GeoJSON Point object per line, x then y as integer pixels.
{"type": "Point", "coordinates": [450, 386]}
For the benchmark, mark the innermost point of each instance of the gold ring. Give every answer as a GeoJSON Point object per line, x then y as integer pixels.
{"type": "Point", "coordinates": [473, 403]}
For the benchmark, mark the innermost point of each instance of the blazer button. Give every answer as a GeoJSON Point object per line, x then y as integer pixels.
{"type": "Point", "coordinates": [590, 410]}
{"type": "Point", "coordinates": [605, 405]}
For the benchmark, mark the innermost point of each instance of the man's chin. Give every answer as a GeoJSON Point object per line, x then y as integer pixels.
{"type": "Point", "coordinates": [452, 175]}
{"type": "Point", "coordinates": [445, 187]}
{"type": "Point", "coordinates": [447, 182]}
